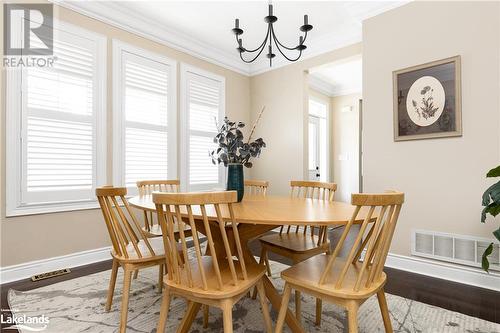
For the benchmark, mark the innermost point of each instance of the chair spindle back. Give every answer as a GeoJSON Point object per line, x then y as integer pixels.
{"type": "Point", "coordinates": [314, 190]}
{"type": "Point", "coordinates": [115, 209]}
{"type": "Point", "coordinates": [184, 208]}
{"type": "Point", "coordinates": [382, 215]}
{"type": "Point", "coordinates": [147, 187]}
{"type": "Point", "coordinates": [256, 187]}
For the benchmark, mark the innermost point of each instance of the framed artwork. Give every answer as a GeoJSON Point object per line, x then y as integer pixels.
{"type": "Point", "coordinates": [427, 100]}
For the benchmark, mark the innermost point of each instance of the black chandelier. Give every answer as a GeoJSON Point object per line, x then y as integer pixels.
{"type": "Point", "coordinates": [271, 36]}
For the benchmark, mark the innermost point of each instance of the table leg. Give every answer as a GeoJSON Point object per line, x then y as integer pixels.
{"type": "Point", "coordinates": [248, 232]}
{"type": "Point", "coordinates": [189, 317]}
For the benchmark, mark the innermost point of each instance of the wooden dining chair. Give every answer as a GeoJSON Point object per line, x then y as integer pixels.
{"type": "Point", "coordinates": [217, 280]}
{"type": "Point", "coordinates": [256, 187]}
{"type": "Point", "coordinates": [299, 243]}
{"type": "Point", "coordinates": [348, 281]}
{"type": "Point", "coordinates": [147, 187]}
{"type": "Point", "coordinates": [131, 247]}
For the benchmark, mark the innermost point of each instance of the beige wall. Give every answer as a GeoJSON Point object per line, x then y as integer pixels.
{"type": "Point", "coordinates": [35, 237]}
{"type": "Point", "coordinates": [283, 91]}
{"type": "Point", "coordinates": [345, 145]}
{"type": "Point", "coordinates": [443, 178]}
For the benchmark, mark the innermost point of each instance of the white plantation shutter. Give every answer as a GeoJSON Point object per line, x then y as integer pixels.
{"type": "Point", "coordinates": [145, 116]}
{"type": "Point", "coordinates": [203, 109]}
{"type": "Point", "coordinates": [61, 109]}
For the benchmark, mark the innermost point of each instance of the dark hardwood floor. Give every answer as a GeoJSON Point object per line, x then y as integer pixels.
{"type": "Point", "coordinates": [469, 300]}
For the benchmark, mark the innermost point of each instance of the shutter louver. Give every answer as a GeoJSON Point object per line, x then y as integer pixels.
{"type": "Point", "coordinates": [60, 140]}
{"type": "Point", "coordinates": [146, 114]}
{"type": "Point", "coordinates": [204, 102]}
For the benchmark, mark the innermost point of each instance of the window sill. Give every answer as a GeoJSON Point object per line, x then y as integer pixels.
{"type": "Point", "coordinates": [50, 208]}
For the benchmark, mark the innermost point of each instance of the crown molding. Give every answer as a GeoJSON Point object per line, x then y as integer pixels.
{"type": "Point", "coordinates": [330, 90]}
{"type": "Point", "coordinates": [119, 16]}
{"type": "Point", "coordinates": [321, 45]}
{"type": "Point", "coordinates": [113, 14]}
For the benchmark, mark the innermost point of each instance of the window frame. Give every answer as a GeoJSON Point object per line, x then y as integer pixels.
{"type": "Point", "coordinates": [15, 133]}
{"type": "Point", "coordinates": [119, 123]}
{"type": "Point", "coordinates": [184, 126]}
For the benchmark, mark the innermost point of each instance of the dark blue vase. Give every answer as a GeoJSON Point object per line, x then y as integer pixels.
{"type": "Point", "coordinates": [235, 179]}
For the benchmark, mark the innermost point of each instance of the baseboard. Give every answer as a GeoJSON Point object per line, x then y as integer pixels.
{"type": "Point", "coordinates": [26, 270]}
{"type": "Point", "coordinates": [442, 270]}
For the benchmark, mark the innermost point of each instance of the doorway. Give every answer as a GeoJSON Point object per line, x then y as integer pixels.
{"type": "Point", "coordinates": [334, 125]}
{"type": "Point", "coordinates": [318, 140]}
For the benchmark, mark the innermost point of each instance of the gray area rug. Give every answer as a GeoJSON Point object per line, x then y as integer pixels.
{"type": "Point", "coordinates": [78, 306]}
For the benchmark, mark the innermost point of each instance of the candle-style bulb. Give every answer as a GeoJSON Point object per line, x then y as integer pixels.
{"type": "Point", "coordinates": [237, 23]}
{"type": "Point", "coordinates": [270, 10]}
{"type": "Point", "coordinates": [306, 19]}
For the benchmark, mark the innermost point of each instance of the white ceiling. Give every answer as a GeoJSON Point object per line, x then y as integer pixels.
{"type": "Point", "coordinates": [203, 28]}
{"type": "Point", "coordinates": [338, 78]}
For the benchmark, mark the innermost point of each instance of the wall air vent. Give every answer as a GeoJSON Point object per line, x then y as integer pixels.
{"type": "Point", "coordinates": [48, 275]}
{"type": "Point", "coordinates": [459, 249]}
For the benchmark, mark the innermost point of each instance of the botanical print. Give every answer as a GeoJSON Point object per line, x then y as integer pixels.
{"type": "Point", "coordinates": [427, 100]}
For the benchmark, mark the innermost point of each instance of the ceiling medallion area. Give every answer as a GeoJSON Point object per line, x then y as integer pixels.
{"type": "Point", "coordinates": [271, 39]}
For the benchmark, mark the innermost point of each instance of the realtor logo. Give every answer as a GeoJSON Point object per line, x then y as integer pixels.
{"type": "Point", "coordinates": [28, 29]}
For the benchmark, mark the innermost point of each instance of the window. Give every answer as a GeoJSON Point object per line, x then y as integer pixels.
{"type": "Point", "coordinates": [56, 148]}
{"type": "Point", "coordinates": [144, 116]}
{"type": "Point", "coordinates": [202, 107]}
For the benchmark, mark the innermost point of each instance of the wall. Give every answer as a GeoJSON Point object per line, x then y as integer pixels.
{"type": "Point", "coordinates": [35, 237]}
{"type": "Point", "coordinates": [443, 178]}
{"type": "Point", "coordinates": [283, 91]}
{"type": "Point", "coordinates": [345, 145]}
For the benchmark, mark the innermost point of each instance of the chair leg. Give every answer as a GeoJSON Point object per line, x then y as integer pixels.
{"type": "Point", "coordinates": [136, 274]}
{"type": "Point", "coordinates": [319, 309]}
{"type": "Point", "coordinates": [205, 316]}
{"type": "Point", "coordinates": [112, 283]}
{"type": "Point", "coordinates": [382, 302]}
{"type": "Point", "coordinates": [160, 277]}
{"type": "Point", "coordinates": [261, 261]}
{"type": "Point", "coordinates": [227, 316]}
{"type": "Point", "coordinates": [298, 305]}
{"type": "Point", "coordinates": [126, 289]}
{"type": "Point", "coordinates": [165, 305]}
{"type": "Point", "coordinates": [265, 307]}
{"type": "Point", "coordinates": [268, 266]}
{"type": "Point", "coordinates": [283, 308]}
{"type": "Point", "coordinates": [352, 316]}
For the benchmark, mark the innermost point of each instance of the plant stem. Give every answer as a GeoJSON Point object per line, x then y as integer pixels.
{"type": "Point", "coordinates": [255, 124]}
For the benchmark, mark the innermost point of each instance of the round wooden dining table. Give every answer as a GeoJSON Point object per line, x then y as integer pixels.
{"type": "Point", "coordinates": [259, 214]}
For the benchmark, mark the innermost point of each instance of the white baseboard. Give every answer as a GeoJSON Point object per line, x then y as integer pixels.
{"type": "Point", "coordinates": [451, 272]}
{"type": "Point", "coordinates": [26, 270]}
{"type": "Point", "coordinates": [442, 270]}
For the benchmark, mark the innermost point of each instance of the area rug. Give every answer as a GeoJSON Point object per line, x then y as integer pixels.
{"type": "Point", "coordinates": [77, 305]}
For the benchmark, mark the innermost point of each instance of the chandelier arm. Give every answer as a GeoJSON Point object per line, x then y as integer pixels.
{"type": "Point", "coordinates": [283, 54]}
{"type": "Point", "coordinates": [260, 46]}
{"type": "Point", "coordinates": [276, 41]}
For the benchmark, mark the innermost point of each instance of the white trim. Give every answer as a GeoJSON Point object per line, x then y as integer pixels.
{"type": "Point", "coordinates": [15, 132]}
{"type": "Point", "coordinates": [456, 273]}
{"type": "Point", "coordinates": [26, 270]}
{"type": "Point", "coordinates": [119, 48]}
{"type": "Point", "coordinates": [184, 168]}
{"type": "Point", "coordinates": [122, 17]}
{"type": "Point", "coordinates": [117, 16]}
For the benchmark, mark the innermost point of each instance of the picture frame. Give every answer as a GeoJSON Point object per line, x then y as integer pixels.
{"type": "Point", "coordinates": [427, 100]}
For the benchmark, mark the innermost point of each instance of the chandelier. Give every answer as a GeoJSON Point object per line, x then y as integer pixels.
{"type": "Point", "coordinates": [271, 37]}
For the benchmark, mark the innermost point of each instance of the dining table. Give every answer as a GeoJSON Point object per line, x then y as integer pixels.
{"type": "Point", "coordinates": [259, 214]}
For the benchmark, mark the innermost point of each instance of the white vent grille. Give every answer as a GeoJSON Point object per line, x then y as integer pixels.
{"type": "Point", "coordinates": [460, 249]}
